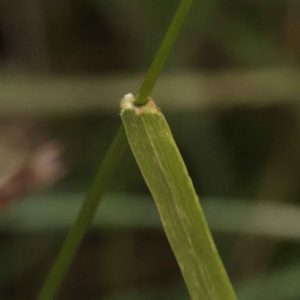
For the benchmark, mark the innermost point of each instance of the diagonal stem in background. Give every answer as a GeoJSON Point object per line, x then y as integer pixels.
{"type": "Point", "coordinates": [109, 165]}
{"type": "Point", "coordinates": [85, 217]}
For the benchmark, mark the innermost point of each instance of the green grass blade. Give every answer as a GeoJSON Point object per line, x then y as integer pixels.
{"type": "Point", "coordinates": [87, 212]}
{"type": "Point", "coordinates": [165, 173]}
{"type": "Point", "coordinates": [110, 163]}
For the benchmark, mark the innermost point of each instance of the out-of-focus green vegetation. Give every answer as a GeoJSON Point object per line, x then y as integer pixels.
{"type": "Point", "coordinates": [234, 82]}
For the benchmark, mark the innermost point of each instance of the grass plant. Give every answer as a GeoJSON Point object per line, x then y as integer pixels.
{"type": "Point", "coordinates": [164, 171]}
{"type": "Point", "coordinates": [208, 279]}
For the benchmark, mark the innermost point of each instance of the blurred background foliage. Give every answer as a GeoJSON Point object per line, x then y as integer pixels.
{"type": "Point", "coordinates": [230, 92]}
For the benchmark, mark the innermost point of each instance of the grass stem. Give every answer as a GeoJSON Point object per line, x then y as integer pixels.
{"type": "Point", "coordinates": [85, 217]}
{"type": "Point", "coordinates": [109, 165]}
{"type": "Point", "coordinates": [163, 52]}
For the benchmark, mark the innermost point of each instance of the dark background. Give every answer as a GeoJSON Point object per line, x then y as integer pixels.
{"type": "Point", "coordinates": [230, 92]}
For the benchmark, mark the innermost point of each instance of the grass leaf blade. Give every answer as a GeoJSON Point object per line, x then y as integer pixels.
{"type": "Point", "coordinates": [164, 171]}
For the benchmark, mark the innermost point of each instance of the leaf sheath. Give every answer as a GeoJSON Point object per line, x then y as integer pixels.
{"type": "Point", "coordinates": [165, 173]}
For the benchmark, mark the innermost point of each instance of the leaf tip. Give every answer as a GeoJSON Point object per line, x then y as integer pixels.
{"type": "Point", "coordinates": [127, 103]}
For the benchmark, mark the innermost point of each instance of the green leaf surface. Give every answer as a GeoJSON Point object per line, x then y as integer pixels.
{"type": "Point", "coordinates": [183, 220]}
{"type": "Point", "coordinates": [109, 165]}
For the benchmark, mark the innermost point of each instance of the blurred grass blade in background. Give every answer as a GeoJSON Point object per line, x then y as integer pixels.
{"type": "Point", "coordinates": [164, 171]}
{"type": "Point", "coordinates": [85, 217]}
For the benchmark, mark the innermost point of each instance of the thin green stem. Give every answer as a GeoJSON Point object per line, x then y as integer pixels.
{"type": "Point", "coordinates": [109, 165]}
{"type": "Point", "coordinates": [163, 52]}
{"type": "Point", "coordinates": [86, 214]}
